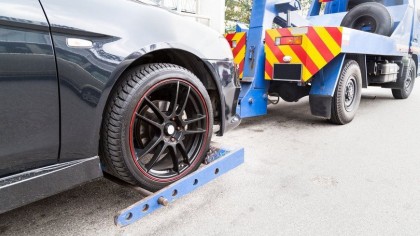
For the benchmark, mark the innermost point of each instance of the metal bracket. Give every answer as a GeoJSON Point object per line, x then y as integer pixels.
{"type": "Point", "coordinates": [221, 160]}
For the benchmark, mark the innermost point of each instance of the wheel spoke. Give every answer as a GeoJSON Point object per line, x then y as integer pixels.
{"type": "Point", "coordinates": [174, 102]}
{"type": "Point", "coordinates": [185, 102]}
{"type": "Point", "coordinates": [151, 122]}
{"type": "Point", "coordinates": [149, 147]}
{"type": "Point", "coordinates": [198, 131]}
{"type": "Point", "coordinates": [174, 155]}
{"type": "Point", "coordinates": [171, 114]}
{"type": "Point", "coordinates": [154, 108]}
{"type": "Point", "coordinates": [184, 152]}
{"type": "Point", "coordinates": [156, 157]}
{"type": "Point", "coordinates": [198, 118]}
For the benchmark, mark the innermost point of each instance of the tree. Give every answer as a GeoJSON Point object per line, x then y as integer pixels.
{"type": "Point", "coordinates": [238, 11]}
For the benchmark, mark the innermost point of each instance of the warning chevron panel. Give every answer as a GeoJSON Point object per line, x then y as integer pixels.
{"type": "Point", "coordinates": [237, 42]}
{"type": "Point", "coordinates": [312, 47]}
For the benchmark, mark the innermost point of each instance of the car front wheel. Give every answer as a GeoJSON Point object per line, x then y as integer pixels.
{"type": "Point", "coordinates": [157, 127]}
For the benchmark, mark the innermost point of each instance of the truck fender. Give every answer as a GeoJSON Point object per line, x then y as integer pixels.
{"type": "Point", "coordinates": [323, 87]}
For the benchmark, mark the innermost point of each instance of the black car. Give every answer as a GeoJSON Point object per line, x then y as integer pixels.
{"type": "Point", "coordinates": [121, 86]}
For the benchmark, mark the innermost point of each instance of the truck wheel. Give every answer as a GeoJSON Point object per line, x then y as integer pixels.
{"type": "Point", "coordinates": [370, 17]}
{"type": "Point", "coordinates": [406, 82]}
{"type": "Point", "coordinates": [348, 94]}
{"type": "Point", "coordinates": [157, 127]}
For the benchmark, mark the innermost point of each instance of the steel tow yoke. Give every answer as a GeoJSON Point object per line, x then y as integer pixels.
{"type": "Point", "coordinates": [220, 161]}
{"type": "Point", "coordinates": [253, 97]}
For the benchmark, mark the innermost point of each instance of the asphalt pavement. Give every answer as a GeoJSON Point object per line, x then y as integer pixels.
{"type": "Point", "coordinates": [302, 176]}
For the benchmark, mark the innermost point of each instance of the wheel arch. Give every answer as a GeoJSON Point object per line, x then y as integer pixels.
{"type": "Point", "coordinates": [164, 53]}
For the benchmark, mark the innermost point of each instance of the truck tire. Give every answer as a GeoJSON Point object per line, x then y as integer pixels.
{"type": "Point", "coordinates": [157, 126]}
{"type": "Point", "coordinates": [406, 82]}
{"type": "Point", "coordinates": [370, 17]}
{"type": "Point", "coordinates": [348, 94]}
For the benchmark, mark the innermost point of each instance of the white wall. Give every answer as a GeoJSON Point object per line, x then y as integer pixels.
{"type": "Point", "coordinates": [208, 12]}
{"type": "Point", "coordinates": [215, 10]}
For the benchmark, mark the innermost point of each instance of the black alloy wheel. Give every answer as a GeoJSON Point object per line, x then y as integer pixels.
{"type": "Point", "coordinates": [168, 130]}
{"type": "Point", "coordinates": [158, 126]}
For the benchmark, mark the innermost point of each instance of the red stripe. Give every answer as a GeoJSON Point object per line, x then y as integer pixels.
{"type": "Point", "coordinates": [320, 45]}
{"type": "Point", "coordinates": [335, 34]}
{"type": "Point", "coordinates": [305, 59]}
{"type": "Point", "coordinates": [269, 69]}
{"type": "Point", "coordinates": [285, 32]}
{"type": "Point", "coordinates": [241, 66]}
{"type": "Point", "coordinates": [239, 46]}
{"type": "Point", "coordinates": [229, 37]}
{"type": "Point", "coordinates": [276, 51]}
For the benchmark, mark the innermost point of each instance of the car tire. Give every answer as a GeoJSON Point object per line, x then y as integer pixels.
{"type": "Point", "coordinates": [371, 17]}
{"type": "Point", "coordinates": [157, 127]}
{"type": "Point", "coordinates": [406, 81]}
{"type": "Point", "coordinates": [346, 99]}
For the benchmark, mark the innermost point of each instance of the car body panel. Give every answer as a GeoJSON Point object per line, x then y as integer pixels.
{"type": "Point", "coordinates": [54, 93]}
{"type": "Point", "coordinates": [120, 35]}
{"type": "Point", "coordinates": [29, 96]}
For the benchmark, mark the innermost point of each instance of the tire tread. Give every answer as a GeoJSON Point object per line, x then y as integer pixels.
{"type": "Point", "coordinates": [111, 146]}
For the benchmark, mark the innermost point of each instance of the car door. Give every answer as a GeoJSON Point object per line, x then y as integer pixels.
{"type": "Point", "coordinates": [29, 96]}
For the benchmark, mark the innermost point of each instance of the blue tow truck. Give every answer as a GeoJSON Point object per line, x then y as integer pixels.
{"type": "Point", "coordinates": [341, 47]}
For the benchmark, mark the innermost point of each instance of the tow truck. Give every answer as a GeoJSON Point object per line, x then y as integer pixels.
{"type": "Point", "coordinates": [341, 47]}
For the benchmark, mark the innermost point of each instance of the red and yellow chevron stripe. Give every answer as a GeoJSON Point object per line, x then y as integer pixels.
{"type": "Point", "coordinates": [237, 42]}
{"type": "Point", "coordinates": [319, 46]}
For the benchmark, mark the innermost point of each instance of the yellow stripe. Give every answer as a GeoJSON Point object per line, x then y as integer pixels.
{"type": "Point", "coordinates": [267, 76]}
{"type": "Point", "coordinates": [328, 40]}
{"type": "Point", "coordinates": [241, 55]}
{"type": "Point", "coordinates": [313, 52]}
{"type": "Point", "coordinates": [273, 34]}
{"type": "Point", "coordinates": [238, 37]}
{"type": "Point", "coordinates": [272, 59]}
{"type": "Point", "coordinates": [287, 50]}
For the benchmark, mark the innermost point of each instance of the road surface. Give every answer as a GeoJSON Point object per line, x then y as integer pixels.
{"type": "Point", "coordinates": [302, 176]}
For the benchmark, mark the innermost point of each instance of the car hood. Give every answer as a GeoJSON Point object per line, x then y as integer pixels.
{"type": "Point", "coordinates": [134, 25]}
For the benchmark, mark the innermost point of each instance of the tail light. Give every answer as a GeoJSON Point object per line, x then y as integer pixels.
{"type": "Point", "coordinates": [291, 40]}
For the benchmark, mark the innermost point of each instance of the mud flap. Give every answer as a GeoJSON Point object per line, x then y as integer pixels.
{"type": "Point", "coordinates": [323, 88]}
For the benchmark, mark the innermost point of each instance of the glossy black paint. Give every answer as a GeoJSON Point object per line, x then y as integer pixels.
{"type": "Point", "coordinates": [29, 96]}
{"type": "Point", "coordinates": [229, 88]}
{"type": "Point", "coordinates": [122, 32]}
{"type": "Point", "coordinates": [30, 186]}
{"type": "Point", "coordinates": [52, 95]}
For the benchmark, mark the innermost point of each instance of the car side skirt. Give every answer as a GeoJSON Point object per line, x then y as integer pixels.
{"type": "Point", "coordinates": [30, 186]}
